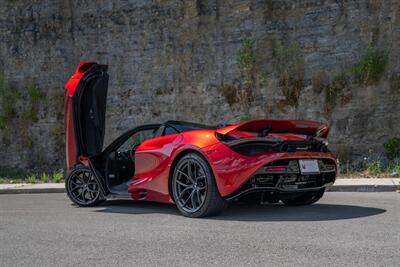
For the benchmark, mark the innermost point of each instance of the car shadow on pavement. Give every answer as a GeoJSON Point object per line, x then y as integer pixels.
{"type": "Point", "coordinates": [244, 212]}
{"type": "Point", "coordinates": [280, 212]}
{"type": "Point", "coordinates": [137, 207]}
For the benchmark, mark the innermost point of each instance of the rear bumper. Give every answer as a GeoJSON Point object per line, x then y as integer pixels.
{"type": "Point", "coordinates": [275, 189]}
{"type": "Point", "coordinates": [289, 181]}
{"type": "Point", "coordinates": [234, 173]}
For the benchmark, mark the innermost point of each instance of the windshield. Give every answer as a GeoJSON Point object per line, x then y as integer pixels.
{"type": "Point", "coordinates": [182, 126]}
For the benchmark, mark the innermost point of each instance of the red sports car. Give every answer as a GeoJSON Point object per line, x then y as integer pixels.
{"type": "Point", "coordinates": [200, 168]}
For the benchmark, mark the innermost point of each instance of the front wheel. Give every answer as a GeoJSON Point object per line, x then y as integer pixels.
{"type": "Point", "coordinates": [194, 189]}
{"type": "Point", "coordinates": [82, 187]}
{"type": "Point", "coordinates": [306, 199]}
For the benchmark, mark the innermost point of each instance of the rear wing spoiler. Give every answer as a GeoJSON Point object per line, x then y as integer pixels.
{"type": "Point", "coordinates": [311, 128]}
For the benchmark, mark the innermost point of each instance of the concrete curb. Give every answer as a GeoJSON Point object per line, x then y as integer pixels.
{"type": "Point", "coordinates": [341, 185]}
{"type": "Point", "coordinates": [26, 188]}
{"type": "Point", "coordinates": [365, 185]}
{"type": "Point", "coordinates": [362, 188]}
{"type": "Point", "coordinates": [31, 190]}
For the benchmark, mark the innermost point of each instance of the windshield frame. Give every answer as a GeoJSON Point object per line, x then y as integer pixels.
{"type": "Point", "coordinates": [183, 126]}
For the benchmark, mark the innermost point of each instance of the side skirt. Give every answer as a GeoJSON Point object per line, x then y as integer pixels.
{"type": "Point", "coordinates": [119, 197]}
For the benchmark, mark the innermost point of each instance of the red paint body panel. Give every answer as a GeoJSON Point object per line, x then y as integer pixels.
{"type": "Point", "coordinates": [280, 126]}
{"type": "Point", "coordinates": [152, 163]}
{"type": "Point", "coordinates": [232, 169]}
{"type": "Point", "coordinates": [154, 158]}
{"type": "Point", "coordinates": [73, 82]}
{"type": "Point", "coordinates": [70, 135]}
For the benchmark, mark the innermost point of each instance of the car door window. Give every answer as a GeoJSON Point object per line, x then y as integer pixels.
{"type": "Point", "coordinates": [136, 139]}
{"type": "Point", "coordinates": [169, 130]}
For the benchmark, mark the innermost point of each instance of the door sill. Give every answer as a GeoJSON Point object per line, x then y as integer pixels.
{"type": "Point", "coordinates": [114, 196]}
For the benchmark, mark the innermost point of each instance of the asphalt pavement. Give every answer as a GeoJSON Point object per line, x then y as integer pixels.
{"type": "Point", "coordinates": [343, 229]}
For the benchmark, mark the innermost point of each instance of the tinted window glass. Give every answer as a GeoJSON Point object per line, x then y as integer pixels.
{"type": "Point", "coordinates": [136, 139]}
{"type": "Point", "coordinates": [169, 130]}
{"type": "Point", "coordinates": [188, 126]}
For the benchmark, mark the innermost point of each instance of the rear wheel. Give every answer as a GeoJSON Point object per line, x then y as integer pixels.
{"type": "Point", "coordinates": [194, 189]}
{"type": "Point", "coordinates": [82, 187]}
{"type": "Point", "coordinates": [306, 199]}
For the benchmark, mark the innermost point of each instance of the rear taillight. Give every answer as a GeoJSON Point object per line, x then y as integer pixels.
{"type": "Point", "coordinates": [252, 148]}
{"type": "Point", "coordinates": [225, 138]}
{"type": "Point", "coordinates": [275, 169]}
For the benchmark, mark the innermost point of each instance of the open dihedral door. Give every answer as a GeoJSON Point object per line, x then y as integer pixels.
{"type": "Point", "coordinates": [85, 109]}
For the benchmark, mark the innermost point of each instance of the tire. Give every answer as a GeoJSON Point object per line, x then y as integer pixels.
{"type": "Point", "coordinates": [194, 189]}
{"type": "Point", "coordinates": [82, 187]}
{"type": "Point", "coordinates": [306, 199]}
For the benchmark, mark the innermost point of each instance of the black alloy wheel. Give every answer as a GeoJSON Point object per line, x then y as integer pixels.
{"type": "Point", "coordinates": [82, 187]}
{"type": "Point", "coordinates": [194, 189]}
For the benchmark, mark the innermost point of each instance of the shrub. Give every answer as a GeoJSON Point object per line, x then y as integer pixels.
{"type": "Point", "coordinates": [392, 148]}
{"type": "Point", "coordinates": [57, 177]}
{"type": "Point", "coordinates": [34, 92]}
{"type": "Point", "coordinates": [230, 93]}
{"type": "Point", "coordinates": [319, 82]}
{"type": "Point", "coordinates": [31, 179]}
{"type": "Point", "coordinates": [369, 69]}
{"type": "Point", "coordinates": [371, 66]}
{"type": "Point", "coordinates": [45, 178]}
{"type": "Point", "coordinates": [247, 65]}
{"type": "Point", "coordinates": [8, 97]}
{"type": "Point", "coordinates": [393, 167]}
{"type": "Point", "coordinates": [242, 93]}
{"type": "Point", "coordinates": [35, 96]}
{"type": "Point", "coordinates": [289, 63]}
{"type": "Point", "coordinates": [11, 175]}
{"type": "Point", "coordinates": [334, 90]}
{"type": "Point", "coordinates": [247, 59]}
{"type": "Point", "coordinates": [374, 167]}
{"type": "Point", "coordinates": [27, 114]}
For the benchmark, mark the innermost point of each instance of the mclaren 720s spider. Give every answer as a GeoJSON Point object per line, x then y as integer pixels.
{"type": "Point", "coordinates": [198, 168]}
